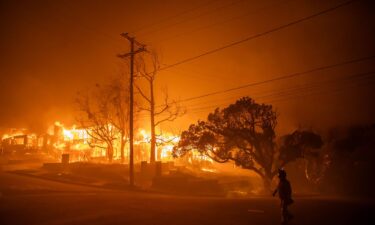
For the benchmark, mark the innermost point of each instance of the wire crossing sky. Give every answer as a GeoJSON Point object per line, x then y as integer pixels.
{"type": "Point", "coordinates": [213, 52]}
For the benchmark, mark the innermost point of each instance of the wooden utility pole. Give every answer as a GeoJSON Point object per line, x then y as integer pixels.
{"type": "Point", "coordinates": [141, 48]}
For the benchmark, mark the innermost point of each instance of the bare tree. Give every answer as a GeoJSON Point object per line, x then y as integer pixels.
{"type": "Point", "coordinates": [120, 106]}
{"type": "Point", "coordinates": [95, 116]}
{"type": "Point", "coordinates": [104, 113]}
{"type": "Point", "coordinates": [169, 110]}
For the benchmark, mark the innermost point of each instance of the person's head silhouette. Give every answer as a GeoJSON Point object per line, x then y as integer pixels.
{"type": "Point", "coordinates": [282, 174]}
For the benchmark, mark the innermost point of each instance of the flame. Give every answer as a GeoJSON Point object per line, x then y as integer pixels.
{"type": "Point", "coordinates": [208, 170]}
{"type": "Point", "coordinates": [164, 143]}
{"type": "Point", "coordinates": [77, 142]}
{"type": "Point", "coordinates": [13, 133]}
{"type": "Point", "coordinates": [68, 134]}
{"type": "Point", "coordinates": [20, 137]}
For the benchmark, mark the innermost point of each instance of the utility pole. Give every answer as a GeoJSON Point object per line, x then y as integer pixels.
{"type": "Point", "coordinates": [141, 48]}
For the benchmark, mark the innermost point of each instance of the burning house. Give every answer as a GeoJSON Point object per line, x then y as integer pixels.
{"type": "Point", "coordinates": [19, 141]}
{"type": "Point", "coordinates": [79, 144]}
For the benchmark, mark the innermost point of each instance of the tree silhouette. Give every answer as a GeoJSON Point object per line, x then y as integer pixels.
{"type": "Point", "coordinates": [167, 111]}
{"type": "Point", "coordinates": [104, 113]}
{"type": "Point", "coordinates": [119, 105]}
{"type": "Point", "coordinates": [306, 145]}
{"type": "Point", "coordinates": [243, 132]}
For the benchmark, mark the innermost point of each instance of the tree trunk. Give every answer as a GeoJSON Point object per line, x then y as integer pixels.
{"type": "Point", "coordinates": [153, 141]}
{"type": "Point", "coordinates": [152, 114]}
{"type": "Point", "coordinates": [159, 153]}
{"type": "Point", "coordinates": [268, 175]}
{"type": "Point", "coordinates": [110, 152]}
{"type": "Point", "coordinates": [267, 180]}
{"type": "Point", "coordinates": [122, 147]}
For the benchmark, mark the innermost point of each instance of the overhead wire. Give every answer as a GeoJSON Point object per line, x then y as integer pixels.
{"type": "Point", "coordinates": [275, 29]}
{"type": "Point", "coordinates": [290, 96]}
{"type": "Point", "coordinates": [301, 88]}
{"type": "Point", "coordinates": [259, 35]}
{"type": "Point", "coordinates": [283, 77]}
{"type": "Point", "coordinates": [195, 17]}
{"type": "Point", "coordinates": [218, 23]}
{"type": "Point", "coordinates": [295, 92]}
{"type": "Point", "coordinates": [173, 16]}
{"type": "Point", "coordinates": [283, 94]}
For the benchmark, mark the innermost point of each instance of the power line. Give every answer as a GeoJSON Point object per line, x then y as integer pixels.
{"type": "Point", "coordinates": [302, 88]}
{"type": "Point", "coordinates": [194, 18]}
{"type": "Point", "coordinates": [291, 91]}
{"type": "Point", "coordinates": [284, 96]}
{"type": "Point", "coordinates": [279, 78]}
{"type": "Point", "coordinates": [236, 17]}
{"type": "Point", "coordinates": [173, 16]}
{"type": "Point", "coordinates": [205, 109]}
{"type": "Point", "coordinates": [318, 92]}
{"type": "Point", "coordinates": [258, 35]}
{"type": "Point", "coordinates": [359, 77]}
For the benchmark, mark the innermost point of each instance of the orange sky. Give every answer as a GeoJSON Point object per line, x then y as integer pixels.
{"type": "Point", "coordinates": [52, 49]}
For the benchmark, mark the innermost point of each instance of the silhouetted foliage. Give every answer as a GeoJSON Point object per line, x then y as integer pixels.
{"type": "Point", "coordinates": [244, 132]}
{"type": "Point", "coordinates": [300, 144]}
{"type": "Point", "coordinates": [352, 158]}
{"type": "Point", "coordinates": [305, 145]}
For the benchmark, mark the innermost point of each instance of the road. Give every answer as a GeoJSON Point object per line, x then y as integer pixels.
{"type": "Point", "coordinates": [28, 201]}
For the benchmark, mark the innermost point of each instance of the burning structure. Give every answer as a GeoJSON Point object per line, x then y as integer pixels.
{"type": "Point", "coordinates": [18, 141]}
{"type": "Point", "coordinates": [81, 146]}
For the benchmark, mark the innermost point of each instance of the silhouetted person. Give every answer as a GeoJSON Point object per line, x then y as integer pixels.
{"type": "Point", "coordinates": [285, 194]}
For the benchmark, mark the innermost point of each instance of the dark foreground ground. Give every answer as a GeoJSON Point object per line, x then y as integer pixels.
{"type": "Point", "coordinates": [27, 200]}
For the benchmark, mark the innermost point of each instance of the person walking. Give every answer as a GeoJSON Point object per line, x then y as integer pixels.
{"type": "Point", "coordinates": [285, 194]}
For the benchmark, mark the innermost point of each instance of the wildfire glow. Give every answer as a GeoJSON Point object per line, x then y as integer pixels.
{"type": "Point", "coordinates": [75, 141]}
